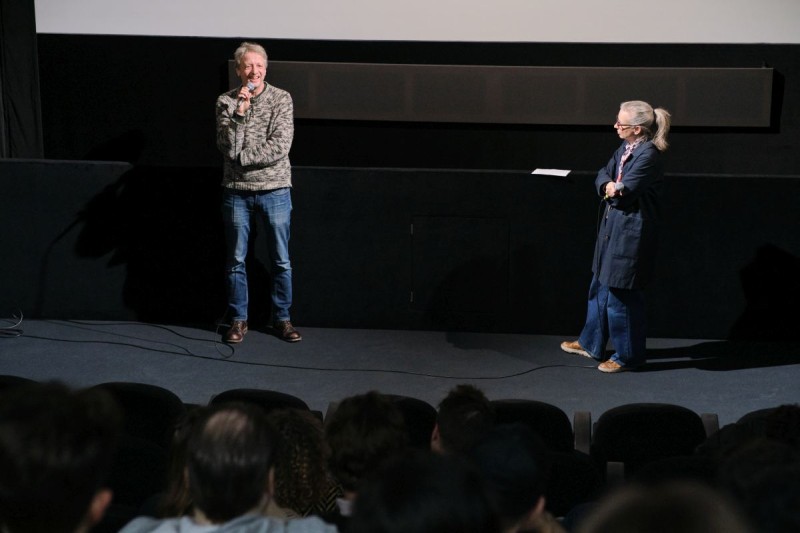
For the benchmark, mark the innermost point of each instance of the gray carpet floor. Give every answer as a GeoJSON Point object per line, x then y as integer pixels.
{"type": "Point", "coordinates": [722, 377]}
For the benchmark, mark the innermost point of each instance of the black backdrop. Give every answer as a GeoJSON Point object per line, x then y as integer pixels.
{"type": "Point", "coordinates": [20, 118]}
{"type": "Point", "coordinates": [98, 88]}
{"type": "Point", "coordinates": [494, 248]}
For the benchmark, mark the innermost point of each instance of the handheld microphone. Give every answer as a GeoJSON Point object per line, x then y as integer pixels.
{"type": "Point", "coordinates": [250, 87]}
{"type": "Point", "coordinates": [618, 186]}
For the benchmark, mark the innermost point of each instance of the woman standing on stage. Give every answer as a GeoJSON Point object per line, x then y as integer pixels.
{"type": "Point", "coordinates": [624, 255]}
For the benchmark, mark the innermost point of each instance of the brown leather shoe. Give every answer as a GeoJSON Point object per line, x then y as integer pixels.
{"type": "Point", "coordinates": [236, 332]}
{"type": "Point", "coordinates": [575, 347]}
{"type": "Point", "coordinates": [286, 331]}
{"type": "Point", "coordinates": [611, 367]}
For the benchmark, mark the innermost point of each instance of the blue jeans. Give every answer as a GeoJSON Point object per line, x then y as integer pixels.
{"type": "Point", "coordinates": [618, 315]}
{"type": "Point", "coordinates": [275, 208]}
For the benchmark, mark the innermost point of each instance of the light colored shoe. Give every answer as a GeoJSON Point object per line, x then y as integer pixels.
{"type": "Point", "coordinates": [611, 367]}
{"type": "Point", "coordinates": [575, 347]}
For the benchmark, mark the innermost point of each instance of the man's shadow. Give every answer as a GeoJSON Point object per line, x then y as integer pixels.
{"type": "Point", "coordinates": [164, 225]}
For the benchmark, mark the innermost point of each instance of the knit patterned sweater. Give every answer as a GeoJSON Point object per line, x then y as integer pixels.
{"type": "Point", "coordinates": [256, 147]}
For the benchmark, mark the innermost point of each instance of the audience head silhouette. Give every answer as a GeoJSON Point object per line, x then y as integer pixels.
{"type": "Point", "coordinates": [229, 456]}
{"type": "Point", "coordinates": [176, 501]}
{"type": "Point", "coordinates": [677, 507]}
{"type": "Point", "coordinates": [363, 432]}
{"type": "Point", "coordinates": [513, 461]}
{"type": "Point", "coordinates": [465, 415]}
{"type": "Point", "coordinates": [763, 478]}
{"type": "Point", "coordinates": [301, 462]}
{"type": "Point", "coordinates": [424, 492]}
{"type": "Point", "coordinates": [56, 449]}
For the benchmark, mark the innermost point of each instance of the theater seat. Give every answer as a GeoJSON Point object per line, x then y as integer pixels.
{"type": "Point", "coordinates": [420, 418]}
{"type": "Point", "coordinates": [574, 479]}
{"type": "Point", "coordinates": [8, 381]}
{"type": "Point", "coordinates": [264, 398]}
{"type": "Point", "coordinates": [149, 412]}
{"type": "Point", "coordinates": [548, 421]}
{"type": "Point", "coordinates": [627, 437]}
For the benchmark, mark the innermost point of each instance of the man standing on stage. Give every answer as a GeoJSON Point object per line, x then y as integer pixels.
{"type": "Point", "coordinates": [255, 128]}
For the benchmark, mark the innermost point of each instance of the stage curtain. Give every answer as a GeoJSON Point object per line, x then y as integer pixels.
{"type": "Point", "coordinates": [20, 101]}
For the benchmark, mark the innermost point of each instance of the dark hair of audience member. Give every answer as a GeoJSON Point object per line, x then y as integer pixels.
{"type": "Point", "coordinates": [176, 500]}
{"type": "Point", "coordinates": [301, 460]}
{"type": "Point", "coordinates": [779, 424]}
{"type": "Point", "coordinates": [423, 492]}
{"type": "Point", "coordinates": [783, 424]}
{"type": "Point", "coordinates": [363, 432]}
{"type": "Point", "coordinates": [464, 416]}
{"type": "Point", "coordinates": [514, 462]}
{"type": "Point", "coordinates": [675, 507]}
{"type": "Point", "coordinates": [229, 455]}
{"type": "Point", "coordinates": [763, 478]}
{"type": "Point", "coordinates": [56, 450]}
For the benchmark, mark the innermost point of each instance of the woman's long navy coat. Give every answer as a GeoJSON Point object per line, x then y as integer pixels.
{"type": "Point", "coordinates": [628, 231]}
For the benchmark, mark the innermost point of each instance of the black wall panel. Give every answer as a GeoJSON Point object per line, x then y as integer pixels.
{"type": "Point", "coordinates": [480, 251]}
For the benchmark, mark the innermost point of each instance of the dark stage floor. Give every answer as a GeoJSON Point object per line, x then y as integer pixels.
{"type": "Point", "coordinates": [726, 378]}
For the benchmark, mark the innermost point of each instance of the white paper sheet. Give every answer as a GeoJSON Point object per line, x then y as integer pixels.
{"type": "Point", "coordinates": [551, 172]}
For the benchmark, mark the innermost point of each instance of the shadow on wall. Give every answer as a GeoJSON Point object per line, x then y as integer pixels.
{"type": "Point", "coordinates": [164, 225]}
{"type": "Point", "coordinates": [764, 335]}
{"type": "Point", "coordinates": [472, 297]}
{"type": "Point", "coordinates": [771, 286]}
